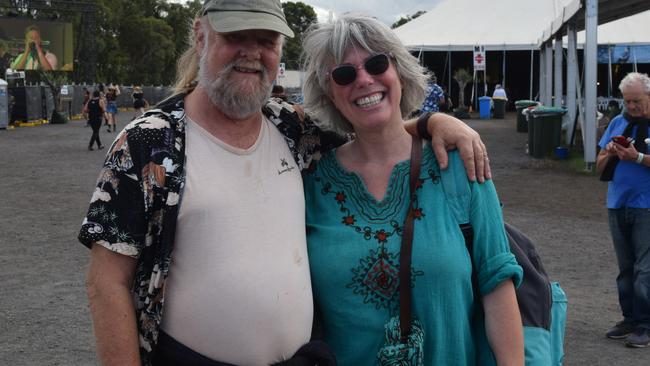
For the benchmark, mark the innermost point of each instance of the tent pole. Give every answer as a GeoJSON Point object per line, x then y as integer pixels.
{"type": "Point", "coordinates": [548, 63]}
{"type": "Point", "coordinates": [591, 71]}
{"type": "Point", "coordinates": [558, 70]}
{"type": "Point", "coordinates": [571, 79]}
{"type": "Point", "coordinates": [503, 73]}
{"type": "Point", "coordinates": [532, 63]}
{"type": "Point", "coordinates": [444, 70]}
{"type": "Point", "coordinates": [473, 87]}
{"type": "Point", "coordinates": [542, 74]}
{"type": "Point", "coordinates": [449, 83]}
{"type": "Point", "coordinates": [634, 55]}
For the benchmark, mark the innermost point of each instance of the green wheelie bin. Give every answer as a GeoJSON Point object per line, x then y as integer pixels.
{"type": "Point", "coordinates": [520, 105]}
{"type": "Point", "coordinates": [546, 124]}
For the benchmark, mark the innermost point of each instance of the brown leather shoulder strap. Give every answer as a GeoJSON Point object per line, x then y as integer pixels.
{"type": "Point", "coordinates": [407, 244]}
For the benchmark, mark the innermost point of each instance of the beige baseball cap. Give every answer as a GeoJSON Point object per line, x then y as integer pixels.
{"type": "Point", "coordinates": [237, 15]}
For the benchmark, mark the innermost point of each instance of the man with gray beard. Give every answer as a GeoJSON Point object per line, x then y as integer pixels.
{"type": "Point", "coordinates": [238, 288]}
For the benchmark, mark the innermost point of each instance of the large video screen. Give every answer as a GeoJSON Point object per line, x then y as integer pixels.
{"type": "Point", "coordinates": [27, 44]}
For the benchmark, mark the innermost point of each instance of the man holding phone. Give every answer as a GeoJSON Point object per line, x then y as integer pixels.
{"type": "Point", "coordinates": [628, 204]}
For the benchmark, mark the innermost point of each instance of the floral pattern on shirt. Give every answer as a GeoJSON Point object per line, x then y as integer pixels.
{"type": "Point", "coordinates": [135, 204]}
{"type": "Point", "coordinates": [434, 94]}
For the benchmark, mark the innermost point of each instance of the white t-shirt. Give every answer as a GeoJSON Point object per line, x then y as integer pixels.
{"type": "Point", "coordinates": [239, 288]}
{"type": "Point", "coordinates": [499, 93]}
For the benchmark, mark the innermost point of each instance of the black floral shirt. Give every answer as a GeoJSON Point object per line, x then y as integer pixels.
{"type": "Point", "coordinates": [134, 207]}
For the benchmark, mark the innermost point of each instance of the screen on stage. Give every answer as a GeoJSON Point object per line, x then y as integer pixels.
{"type": "Point", "coordinates": [27, 44]}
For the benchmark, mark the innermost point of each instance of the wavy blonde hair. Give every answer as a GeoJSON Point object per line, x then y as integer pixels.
{"type": "Point", "coordinates": [187, 67]}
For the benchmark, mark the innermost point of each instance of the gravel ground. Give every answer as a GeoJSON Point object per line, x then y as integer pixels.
{"type": "Point", "coordinates": [46, 181]}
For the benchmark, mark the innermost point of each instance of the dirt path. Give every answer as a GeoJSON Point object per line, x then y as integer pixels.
{"type": "Point", "coordinates": [46, 181]}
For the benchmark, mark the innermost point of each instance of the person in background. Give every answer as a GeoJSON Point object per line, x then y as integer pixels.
{"type": "Point", "coordinates": [613, 109]}
{"type": "Point", "coordinates": [278, 92]}
{"type": "Point", "coordinates": [139, 103]}
{"type": "Point", "coordinates": [94, 109]}
{"type": "Point", "coordinates": [628, 207]}
{"type": "Point", "coordinates": [499, 92]}
{"type": "Point", "coordinates": [35, 56]}
{"type": "Point", "coordinates": [5, 58]}
{"type": "Point", "coordinates": [111, 106]}
{"type": "Point", "coordinates": [434, 97]}
{"type": "Point", "coordinates": [447, 105]}
{"type": "Point", "coordinates": [224, 276]}
{"type": "Point", "coordinates": [102, 95]}
{"type": "Point", "coordinates": [361, 79]}
{"type": "Point", "coordinates": [86, 94]}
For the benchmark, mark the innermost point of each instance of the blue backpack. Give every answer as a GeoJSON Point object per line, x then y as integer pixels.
{"type": "Point", "coordinates": [543, 304]}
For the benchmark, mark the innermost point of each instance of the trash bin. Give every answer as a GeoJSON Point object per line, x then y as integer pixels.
{"type": "Point", "coordinates": [484, 107]}
{"type": "Point", "coordinates": [4, 104]}
{"type": "Point", "coordinates": [499, 108]}
{"type": "Point", "coordinates": [528, 122]}
{"type": "Point", "coordinates": [546, 124]}
{"type": "Point", "coordinates": [522, 122]}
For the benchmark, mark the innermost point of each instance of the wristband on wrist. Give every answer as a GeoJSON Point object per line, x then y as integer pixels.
{"type": "Point", "coordinates": [422, 124]}
{"type": "Point", "coordinates": [639, 158]}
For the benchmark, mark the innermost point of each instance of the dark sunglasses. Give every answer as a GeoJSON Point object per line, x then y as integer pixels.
{"type": "Point", "coordinates": [346, 73]}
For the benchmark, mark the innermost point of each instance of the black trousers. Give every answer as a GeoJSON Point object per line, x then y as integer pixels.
{"type": "Point", "coordinates": [95, 125]}
{"type": "Point", "coordinates": [170, 352]}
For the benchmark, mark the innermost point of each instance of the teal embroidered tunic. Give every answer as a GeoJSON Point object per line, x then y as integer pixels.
{"type": "Point", "coordinates": [354, 243]}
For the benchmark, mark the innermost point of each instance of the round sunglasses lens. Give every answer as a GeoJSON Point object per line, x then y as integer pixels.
{"type": "Point", "coordinates": [377, 64]}
{"type": "Point", "coordinates": [344, 75]}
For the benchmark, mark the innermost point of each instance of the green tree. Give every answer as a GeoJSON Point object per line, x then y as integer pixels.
{"type": "Point", "coordinates": [408, 18]}
{"type": "Point", "coordinates": [149, 47]}
{"type": "Point", "coordinates": [299, 17]}
{"type": "Point", "coordinates": [140, 40]}
{"type": "Point", "coordinates": [179, 17]}
{"type": "Point", "coordinates": [462, 77]}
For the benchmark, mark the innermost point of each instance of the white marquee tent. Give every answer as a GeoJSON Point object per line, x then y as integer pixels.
{"type": "Point", "coordinates": [459, 25]}
{"type": "Point", "coordinates": [510, 25]}
{"type": "Point", "coordinates": [634, 29]}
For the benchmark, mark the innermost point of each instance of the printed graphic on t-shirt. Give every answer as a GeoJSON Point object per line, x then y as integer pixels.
{"type": "Point", "coordinates": [285, 167]}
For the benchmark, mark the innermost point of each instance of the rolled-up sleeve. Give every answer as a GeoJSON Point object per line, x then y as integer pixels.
{"type": "Point", "coordinates": [492, 257]}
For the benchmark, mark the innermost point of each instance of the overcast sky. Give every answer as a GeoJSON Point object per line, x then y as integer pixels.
{"type": "Point", "coordinates": [388, 11]}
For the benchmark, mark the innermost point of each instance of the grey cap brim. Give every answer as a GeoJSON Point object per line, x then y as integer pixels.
{"type": "Point", "coordinates": [233, 21]}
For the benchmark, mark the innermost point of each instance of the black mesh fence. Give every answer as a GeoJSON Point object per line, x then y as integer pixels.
{"type": "Point", "coordinates": [36, 102]}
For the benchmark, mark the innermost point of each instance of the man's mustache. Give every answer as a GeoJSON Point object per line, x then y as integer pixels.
{"type": "Point", "coordinates": [252, 65]}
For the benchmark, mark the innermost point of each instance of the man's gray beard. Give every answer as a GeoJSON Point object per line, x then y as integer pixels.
{"type": "Point", "coordinates": [226, 94]}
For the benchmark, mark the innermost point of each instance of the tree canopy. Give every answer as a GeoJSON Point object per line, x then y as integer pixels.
{"type": "Point", "coordinates": [408, 18]}
{"type": "Point", "coordinates": [299, 17]}
{"type": "Point", "coordinates": [139, 41]}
